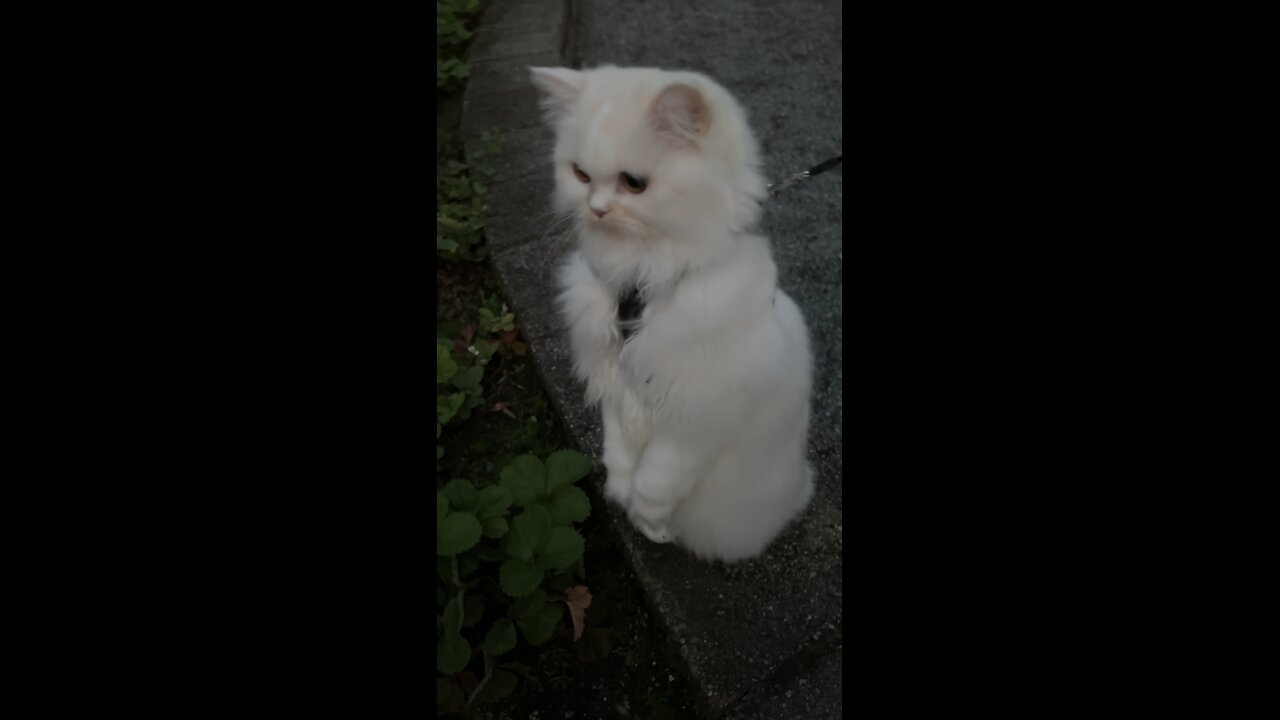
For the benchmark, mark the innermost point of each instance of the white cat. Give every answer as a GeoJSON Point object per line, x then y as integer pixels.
{"type": "Point", "coordinates": [701, 365]}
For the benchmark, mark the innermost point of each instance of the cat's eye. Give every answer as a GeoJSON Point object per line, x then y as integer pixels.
{"type": "Point", "coordinates": [581, 175]}
{"type": "Point", "coordinates": [633, 183]}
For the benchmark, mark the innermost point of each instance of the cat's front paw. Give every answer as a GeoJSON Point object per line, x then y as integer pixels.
{"type": "Point", "coordinates": [651, 519]}
{"type": "Point", "coordinates": [617, 485]}
{"type": "Point", "coordinates": [655, 533]}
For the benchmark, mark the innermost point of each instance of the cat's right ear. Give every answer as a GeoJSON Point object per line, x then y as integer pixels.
{"type": "Point", "coordinates": [560, 87]}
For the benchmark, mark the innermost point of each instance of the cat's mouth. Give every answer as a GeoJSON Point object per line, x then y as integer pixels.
{"type": "Point", "coordinates": [605, 220]}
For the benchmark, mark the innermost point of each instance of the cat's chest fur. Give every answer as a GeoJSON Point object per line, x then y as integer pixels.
{"type": "Point", "coordinates": [665, 339]}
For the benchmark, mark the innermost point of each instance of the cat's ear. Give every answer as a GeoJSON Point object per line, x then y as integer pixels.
{"type": "Point", "coordinates": [681, 112]}
{"type": "Point", "coordinates": [560, 87]}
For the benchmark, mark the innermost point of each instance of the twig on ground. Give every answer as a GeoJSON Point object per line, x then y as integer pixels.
{"type": "Point", "coordinates": [488, 673]}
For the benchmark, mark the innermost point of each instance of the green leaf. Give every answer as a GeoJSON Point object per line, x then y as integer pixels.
{"type": "Point", "coordinates": [498, 687]}
{"type": "Point", "coordinates": [448, 406]}
{"type": "Point", "coordinates": [564, 548]}
{"type": "Point", "coordinates": [457, 533]}
{"type": "Point", "coordinates": [452, 616]}
{"type": "Point", "coordinates": [462, 495]}
{"type": "Point", "coordinates": [445, 364]}
{"type": "Point", "coordinates": [515, 546]}
{"type": "Point", "coordinates": [538, 628]}
{"type": "Point", "coordinates": [485, 350]}
{"type": "Point", "coordinates": [442, 506]}
{"type": "Point", "coordinates": [525, 478]}
{"type": "Point", "coordinates": [568, 504]}
{"type": "Point", "coordinates": [529, 605]}
{"type": "Point", "coordinates": [494, 527]}
{"type": "Point", "coordinates": [500, 638]}
{"type": "Point", "coordinates": [469, 379]}
{"type": "Point", "coordinates": [472, 401]}
{"type": "Point", "coordinates": [566, 467]}
{"type": "Point", "coordinates": [519, 578]}
{"type": "Point", "coordinates": [452, 653]}
{"type": "Point", "coordinates": [444, 244]}
{"type": "Point", "coordinates": [494, 501]}
{"type": "Point", "coordinates": [528, 533]}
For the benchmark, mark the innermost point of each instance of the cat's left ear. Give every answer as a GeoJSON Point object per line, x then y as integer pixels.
{"type": "Point", "coordinates": [560, 87]}
{"type": "Point", "coordinates": [680, 111]}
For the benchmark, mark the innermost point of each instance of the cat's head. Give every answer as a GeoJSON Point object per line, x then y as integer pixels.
{"type": "Point", "coordinates": [646, 153]}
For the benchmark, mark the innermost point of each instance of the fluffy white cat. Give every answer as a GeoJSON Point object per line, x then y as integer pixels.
{"type": "Point", "coordinates": [700, 363]}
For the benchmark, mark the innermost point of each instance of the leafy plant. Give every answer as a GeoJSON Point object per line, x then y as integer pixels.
{"type": "Point", "coordinates": [497, 323]}
{"type": "Point", "coordinates": [460, 207]}
{"type": "Point", "coordinates": [506, 558]}
{"type": "Point", "coordinates": [458, 388]}
{"type": "Point", "coordinates": [460, 186]}
{"type": "Point", "coordinates": [461, 364]}
{"type": "Point", "coordinates": [454, 20]}
{"type": "Point", "coordinates": [496, 319]}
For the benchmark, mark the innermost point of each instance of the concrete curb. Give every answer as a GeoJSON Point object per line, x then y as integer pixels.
{"type": "Point", "coordinates": [762, 639]}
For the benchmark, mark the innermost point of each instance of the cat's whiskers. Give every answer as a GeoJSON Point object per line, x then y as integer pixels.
{"type": "Point", "coordinates": [562, 229]}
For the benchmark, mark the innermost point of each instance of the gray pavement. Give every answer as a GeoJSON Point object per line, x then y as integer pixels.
{"type": "Point", "coordinates": [762, 638]}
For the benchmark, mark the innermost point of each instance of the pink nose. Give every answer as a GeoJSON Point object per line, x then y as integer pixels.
{"type": "Point", "coordinates": [599, 213]}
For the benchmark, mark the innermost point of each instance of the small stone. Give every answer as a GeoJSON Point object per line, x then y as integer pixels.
{"type": "Point", "coordinates": [671, 678]}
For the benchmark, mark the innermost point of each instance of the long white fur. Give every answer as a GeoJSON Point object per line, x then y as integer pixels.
{"type": "Point", "coordinates": [706, 408]}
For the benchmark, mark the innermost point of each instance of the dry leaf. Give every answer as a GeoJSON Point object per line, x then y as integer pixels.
{"type": "Point", "coordinates": [578, 598]}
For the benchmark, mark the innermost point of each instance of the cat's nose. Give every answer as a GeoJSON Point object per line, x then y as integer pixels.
{"type": "Point", "coordinates": [600, 200]}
